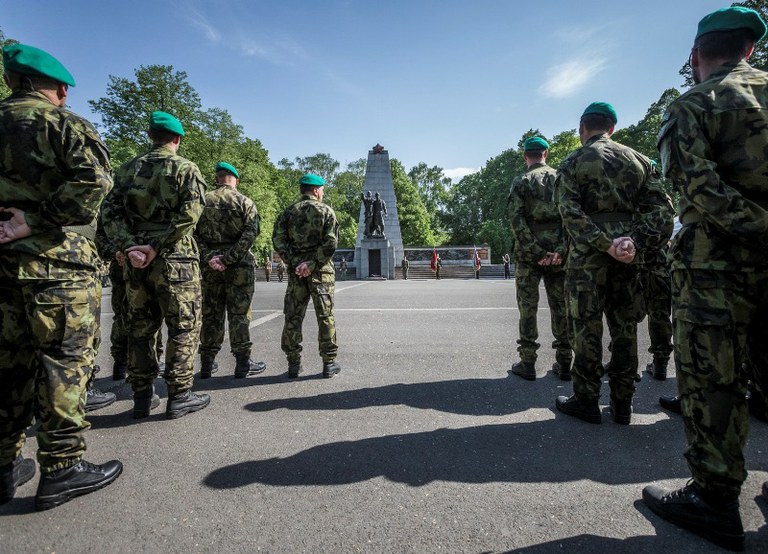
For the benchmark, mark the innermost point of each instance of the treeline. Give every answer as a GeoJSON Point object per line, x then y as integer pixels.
{"type": "Point", "coordinates": [433, 210]}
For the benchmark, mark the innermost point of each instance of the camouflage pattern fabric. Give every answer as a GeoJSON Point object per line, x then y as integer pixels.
{"type": "Point", "coordinates": [656, 283]}
{"type": "Point", "coordinates": [606, 190]}
{"type": "Point", "coordinates": [308, 231]}
{"type": "Point", "coordinates": [167, 290]}
{"type": "Point", "coordinates": [714, 147]}
{"type": "Point", "coordinates": [54, 166]}
{"type": "Point", "coordinates": [535, 222]}
{"type": "Point", "coordinates": [528, 277]}
{"type": "Point", "coordinates": [228, 227]}
{"type": "Point", "coordinates": [157, 200]}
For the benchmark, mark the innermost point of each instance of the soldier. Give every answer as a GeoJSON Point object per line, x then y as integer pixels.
{"type": "Point", "coordinates": [343, 269]}
{"type": "Point", "coordinates": [280, 271]}
{"type": "Point", "coordinates": [657, 294]}
{"type": "Point", "coordinates": [226, 232]}
{"type": "Point", "coordinates": [507, 260]}
{"type": "Point", "coordinates": [438, 267]}
{"type": "Point", "coordinates": [54, 173]}
{"type": "Point", "coordinates": [714, 147]}
{"type": "Point", "coordinates": [305, 236]}
{"type": "Point", "coordinates": [150, 216]}
{"type": "Point", "coordinates": [405, 264]}
{"type": "Point", "coordinates": [268, 268]}
{"type": "Point", "coordinates": [535, 222]}
{"type": "Point", "coordinates": [612, 204]}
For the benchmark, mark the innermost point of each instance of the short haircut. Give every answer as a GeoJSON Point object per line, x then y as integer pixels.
{"type": "Point", "coordinates": [596, 122]}
{"type": "Point", "coordinates": [534, 153]}
{"type": "Point", "coordinates": [161, 137]}
{"type": "Point", "coordinates": [728, 45]}
{"type": "Point", "coordinates": [21, 81]}
{"type": "Point", "coordinates": [306, 189]}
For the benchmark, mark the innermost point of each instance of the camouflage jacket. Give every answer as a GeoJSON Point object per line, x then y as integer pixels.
{"type": "Point", "coordinates": [714, 146]}
{"type": "Point", "coordinates": [54, 166]}
{"type": "Point", "coordinates": [157, 200]}
{"type": "Point", "coordinates": [307, 231]}
{"type": "Point", "coordinates": [229, 226]}
{"type": "Point", "coordinates": [605, 190]}
{"type": "Point", "coordinates": [533, 214]}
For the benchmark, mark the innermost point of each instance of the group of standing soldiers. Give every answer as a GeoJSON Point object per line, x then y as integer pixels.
{"type": "Point", "coordinates": [597, 232]}
{"type": "Point", "coordinates": [156, 227]}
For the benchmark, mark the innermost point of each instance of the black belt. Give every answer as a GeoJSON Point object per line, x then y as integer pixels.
{"type": "Point", "coordinates": [536, 227]}
{"type": "Point", "coordinates": [611, 217]}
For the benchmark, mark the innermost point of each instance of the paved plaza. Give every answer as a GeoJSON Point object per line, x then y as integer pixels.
{"type": "Point", "coordinates": [423, 443]}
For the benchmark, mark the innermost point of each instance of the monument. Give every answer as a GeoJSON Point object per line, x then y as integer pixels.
{"type": "Point", "coordinates": [379, 242]}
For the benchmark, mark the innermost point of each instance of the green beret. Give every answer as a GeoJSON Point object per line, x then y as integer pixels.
{"type": "Point", "coordinates": [535, 143]}
{"type": "Point", "coordinates": [227, 167]}
{"type": "Point", "coordinates": [29, 60]}
{"type": "Point", "coordinates": [729, 19]}
{"type": "Point", "coordinates": [312, 180]}
{"type": "Point", "coordinates": [161, 121]}
{"type": "Point", "coordinates": [602, 108]}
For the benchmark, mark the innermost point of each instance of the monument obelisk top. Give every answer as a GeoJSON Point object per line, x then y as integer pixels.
{"type": "Point", "coordinates": [378, 179]}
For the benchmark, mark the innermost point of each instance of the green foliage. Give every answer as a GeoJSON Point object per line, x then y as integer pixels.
{"type": "Point", "coordinates": [4, 90]}
{"type": "Point", "coordinates": [415, 225]}
{"type": "Point", "coordinates": [435, 191]}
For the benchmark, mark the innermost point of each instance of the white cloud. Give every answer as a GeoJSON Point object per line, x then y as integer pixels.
{"type": "Point", "coordinates": [198, 20]}
{"type": "Point", "coordinates": [571, 76]}
{"type": "Point", "coordinates": [457, 173]}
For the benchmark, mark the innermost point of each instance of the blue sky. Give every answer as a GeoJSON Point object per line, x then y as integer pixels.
{"type": "Point", "coordinates": [451, 83]}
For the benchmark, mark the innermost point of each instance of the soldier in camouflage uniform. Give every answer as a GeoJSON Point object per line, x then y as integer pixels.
{"type": "Point", "coordinates": [612, 205]}
{"type": "Point", "coordinates": [305, 236]}
{"type": "Point", "coordinates": [150, 217]}
{"type": "Point", "coordinates": [714, 147]}
{"type": "Point", "coordinates": [226, 232]}
{"type": "Point", "coordinates": [54, 173]}
{"type": "Point", "coordinates": [535, 222]}
{"type": "Point", "coordinates": [656, 283]}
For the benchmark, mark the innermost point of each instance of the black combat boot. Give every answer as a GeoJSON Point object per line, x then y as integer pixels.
{"type": "Point", "coordinates": [14, 475]}
{"type": "Point", "coordinates": [526, 370]}
{"type": "Point", "coordinates": [658, 368]}
{"type": "Point", "coordinates": [185, 403]}
{"type": "Point", "coordinates": [144, 402]}
{"type": "Point", "coordinates": [588, 411]}
{"type": "Point", "coordinates": [687, 508]}
{"type": "Point", "coordinates": [563, 371]}
{"type": "Point", "coordinates": [330, 369]}
{"type": "Point", "coordinates": [671, 403]}
{"type": "Point", "coordinates": [119, 370]}
{"type": "Point", "coordinates": [63, 485]}
{"type": "Point", "coordinates": [245, 367]}
{"type": "Point", "coordinates": [96, 399]}
{"type": "Point", "coordinates": [294, 368]}
{"type": "Point", "coordinates": [207, 368]}
{"type": "Point", "coordinates": [622, 411]}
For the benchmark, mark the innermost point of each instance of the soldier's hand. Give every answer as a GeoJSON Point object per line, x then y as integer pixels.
{"type": "Point", "coordinates": [120, 258]}
{"type": "Point", "coordinates": [622, 249]}
{"type": "Point", "coordinates": [137, 259]}
{"type": "Point", "coordinates": [557, 259]}
{"type": "Point", "coordinates": [146, 250]}
{"type": "Point", "coordinates": [302, 270]}
{"type": "Point", "coordinates": [14, 228]}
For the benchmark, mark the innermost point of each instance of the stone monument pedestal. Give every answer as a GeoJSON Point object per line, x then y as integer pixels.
{"type": "Point", "coordinates": [375, 257]}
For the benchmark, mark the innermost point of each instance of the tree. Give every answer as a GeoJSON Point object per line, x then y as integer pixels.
{"type": "Point", "coordinates": [415, 224]}
{"type": "Point", "coordinates": [759, 57]}
{"type": "Point", "coordinates": [4, 90]}
{"type": "Point", "coordinates": [434, 189]}
{"type": "Point", "coordinates": [126, 108]}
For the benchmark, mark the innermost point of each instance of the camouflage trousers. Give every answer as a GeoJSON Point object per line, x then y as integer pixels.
{"type": "Point", "coordinates": [46, 353]}
{"type": "Point", "coordinates": [527, 279]}
{"type": "Point", "coordinates": [166, 290]}
{"type": "Point", "coordinates": [118, 336]}
{"type": "Point", "coordinates": [657, 294]}
{"type": "Point", "coordinates": [721, 320]}
{"type": "Point", "coordinates": [227, 294]}
{"type": "Point", "coordinates": [614, 291]}
{"type": "Point", "coordinates": [319, 286]}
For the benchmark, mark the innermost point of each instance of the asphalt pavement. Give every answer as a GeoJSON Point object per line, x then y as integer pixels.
{"type": "Point", "coordinates": [423, 443]}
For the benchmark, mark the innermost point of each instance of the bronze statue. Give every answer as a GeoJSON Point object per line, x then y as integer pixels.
{"type": "Point", "coordinates": [379, 212]}
{"type": "Point", "coordinates": [368, 205]}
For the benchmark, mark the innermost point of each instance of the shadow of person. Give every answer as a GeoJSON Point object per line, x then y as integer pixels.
{"type": "Point", "coordinates": [482, 397]}
{"type": "Point", "coordinates": [558, 450]}
{"type": "Point", "coordinates": [596, 543]}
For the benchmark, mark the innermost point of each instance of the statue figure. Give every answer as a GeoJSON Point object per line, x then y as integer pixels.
{"type": "Point", "coordinates": [379, 211]}
{"type": "Point", "coordinates": [368, 205]}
